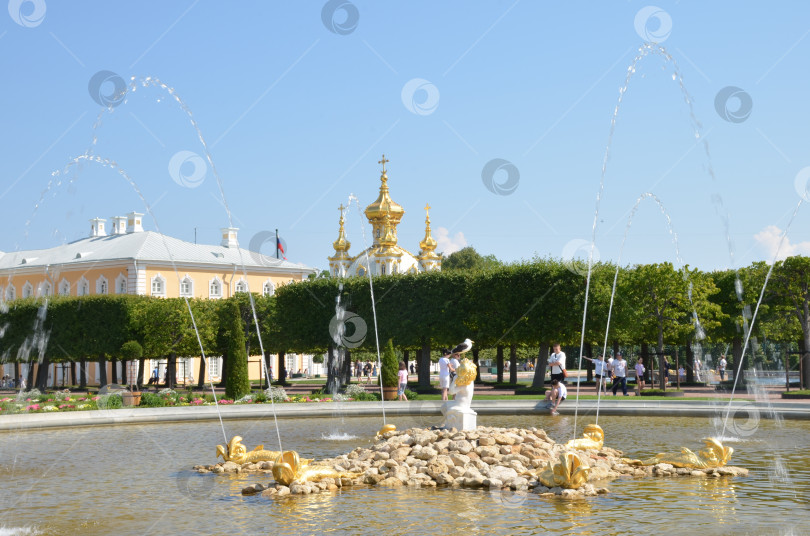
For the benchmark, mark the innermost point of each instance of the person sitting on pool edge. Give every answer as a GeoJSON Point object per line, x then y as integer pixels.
{"type": "Point", "coordinates": [556, 395]}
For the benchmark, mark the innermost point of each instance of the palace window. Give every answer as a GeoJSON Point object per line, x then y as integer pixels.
{"type": "Point", "coordinates": [214, 367]}
{"type": "Point", "coordinates": [64, 288]}
{"type": "Point", "coordinates": [102, 287]}
{"type": "Point", "coordinates": [121, 284]}
{"type": "Point", "coordinates": [241, 286]}
{"type": "Point", "coordinates": [158, 286]}
{"type": "Point", "coordinates": [28, 290]}
{"type": "Point", "coordinates": [83, 288]}
{"type": "Point", "coordinates": [45, 289]}
{"type": "Point", "coordinates": [215, 288]}
{"type": "Point", "coordinates": [186, 287]}
{"type": "Point", "coordinates": [11, 293]}
{"type": "Point", "coordinates": [268, 289]}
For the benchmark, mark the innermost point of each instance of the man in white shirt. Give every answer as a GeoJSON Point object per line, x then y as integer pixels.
{"type": "Point", "coordinates": [619, 374]}
{"type": "Point", "coordinates": [556, 362]}
{"type": "Point", "coordinates": [721, 367]}
{"type": "Point", "coordinates": [444, 373]}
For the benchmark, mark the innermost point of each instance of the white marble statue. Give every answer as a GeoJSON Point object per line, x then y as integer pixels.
{"type": "Point", "coordinates": [457, 412]}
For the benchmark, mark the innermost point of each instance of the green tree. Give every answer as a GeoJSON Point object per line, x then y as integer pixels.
{"type": "Point", "coordinates": [469, 259]}
{"type": "Point", "coordinates": [238, 383]}
{"type": "Point", "coordinates": [390, 366]}
{"type": "Point", "coordinates": [789, 291]}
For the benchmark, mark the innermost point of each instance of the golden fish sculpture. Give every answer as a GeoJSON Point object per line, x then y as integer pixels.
{"type": "Point", "coordinates": [289, 467]}
{"type": "Point", "coordinates": [714, 455]}
{"type": "Point", "coordinates": [236, 452]}
{"type": "Point", "coordinates": [570, 473]}
{"type": "Point", "coordinates": [593, 437]}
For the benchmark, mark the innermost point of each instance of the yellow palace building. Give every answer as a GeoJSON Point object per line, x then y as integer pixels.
{"type": "Point", "coordinates": [131, 260]}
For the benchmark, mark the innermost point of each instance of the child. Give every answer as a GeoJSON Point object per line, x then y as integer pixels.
{"type": "Point", "coordinates": [640, 374]}
{"type": "Point", "coordinates": [403, 380]}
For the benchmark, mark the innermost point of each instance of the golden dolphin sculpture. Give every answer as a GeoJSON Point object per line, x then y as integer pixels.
{"type": "Point", "coordinates": [236, 452]}
{"type": "Point", "coordinates": [714, 455]}
{"type": "Point", "coordinates": [289, 467]}
{"type": "Point", "coordinates": [593, 437]}
{"type": "Point", "coordinates": [387, 428]}
{"type": "Point", "coordinates": [570, 473]}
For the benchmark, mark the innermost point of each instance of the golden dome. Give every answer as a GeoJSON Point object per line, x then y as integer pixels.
{"type": "Point", "coordinates": [429, 243]}
{"type": "Point", "coordinates": [341, 244]}
{"type": "Point", "coordinates": [384, 205]}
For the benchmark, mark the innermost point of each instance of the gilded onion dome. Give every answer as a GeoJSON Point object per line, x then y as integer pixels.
{"type": "Point", "coordinates": [384, 205]}
{"type": "Point", "coordinates": [428, 244]}
{"type": "Point", "coordinates": [341, 245]}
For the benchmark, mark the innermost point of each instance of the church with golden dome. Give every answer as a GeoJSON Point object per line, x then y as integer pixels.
{"type": "Point", "coordinates": [384, 256]}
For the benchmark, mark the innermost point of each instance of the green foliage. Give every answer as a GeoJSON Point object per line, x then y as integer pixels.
{"type": "Point", "coordinates": [468, 259]}
{"type": "Point", "coordinates": [411, 395]}
{"type": "Point", "coordinates": [131, 351]}
{"type": "Point", "coordinates": [390, 366]}
{"type": "Point", "coordinates": [238, 384]}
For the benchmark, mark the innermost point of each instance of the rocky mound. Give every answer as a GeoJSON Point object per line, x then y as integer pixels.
{"type": "Point", "coordinates": [492, 458]}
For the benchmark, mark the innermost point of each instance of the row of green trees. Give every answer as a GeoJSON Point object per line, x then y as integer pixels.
{"type": "Point", "coordinates": [505, 307]}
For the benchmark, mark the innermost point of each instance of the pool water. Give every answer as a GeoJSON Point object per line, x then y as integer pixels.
{"type": "Point", "coordinates": [137, 479]}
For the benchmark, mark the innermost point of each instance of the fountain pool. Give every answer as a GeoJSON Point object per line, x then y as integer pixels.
{"type": "Point", "coordinates": [137, 479]}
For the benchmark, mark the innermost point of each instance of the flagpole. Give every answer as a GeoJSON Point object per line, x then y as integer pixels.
{"type": "Point", "coordinates": [277, 243]}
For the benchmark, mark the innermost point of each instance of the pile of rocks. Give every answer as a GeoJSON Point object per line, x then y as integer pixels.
{"type": "Point", "coordinates": [490, 458]}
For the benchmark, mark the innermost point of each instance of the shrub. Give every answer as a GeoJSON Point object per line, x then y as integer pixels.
{"type": "Point", "coordinates": [411, 395]}
{"type": "Point", "coordinates": [238, 384]}
{"type": "Point", "coordinates": [110, 401]}
{"type": "Point", "coordinates": [32, 394]}
{"type": "Point", "coordinates": [390, 366]}
{"type": "Point", "coordinates": [353, 390]}
{"type": "Point", "coordinates": [275, 394]}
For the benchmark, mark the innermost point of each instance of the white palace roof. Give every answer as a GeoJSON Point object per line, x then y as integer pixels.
{"type": "Point", "coordinates": [148, 247]}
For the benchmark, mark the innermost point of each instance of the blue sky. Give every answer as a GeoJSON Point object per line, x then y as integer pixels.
{"type": "Point", "coordinates": [297, 114]}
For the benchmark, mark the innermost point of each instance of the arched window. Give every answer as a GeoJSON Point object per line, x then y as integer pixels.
{"type": "Point", "coordinates": [361, 270]}
{"type": "Point", "coordinates": [83, 287]}
{"type": "Point", "coordinates": [215, 288]}
{"type": "Point", "coordinates": [28, 290]}
{"type": "Point", "coordinates": [186, 287]}
{"type": "Point", "coordinates": [382, 269]}
{"type": "Point", "coordinates": [64, 288]}
{"type": "Point", "coordinates": [102, 287]}
{"type": "Point", "coordinates": [241, 286]}
{"type": "Point", "coordinates": [158, 286]}
{"type": "Point", "coordinates": [11, 293]}
{"type": "Point", "coordinates": [268, 289]}
{"type": "Point", "coordinates": [45, 289]}
{"type": "Point", "coordinates": [121, 284]}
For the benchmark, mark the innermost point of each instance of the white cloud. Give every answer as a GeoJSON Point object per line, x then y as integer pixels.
{"type": "Point", "coordinates": [769, 239]}
{"type": "Point", "coordinates": [449, 244]}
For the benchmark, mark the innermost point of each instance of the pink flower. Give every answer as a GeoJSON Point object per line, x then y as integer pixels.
{"type": "Point", "coordinates": [95, 398]}
{"type": "Point", "coordinates": [32, 407]}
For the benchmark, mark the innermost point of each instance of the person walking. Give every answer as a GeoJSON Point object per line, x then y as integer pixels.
{"type": "Point", "coordinates": [640, 374]}
{"type": "Point", "coordinates": [403, 380]}
{"type": "Point", "coordinates": [721, 367]}
{"type": "Point", "coordinates": [599, 372]}
{"type": "Point", "coordinates": [620, 374]}
{"type": "Point", "coordinates": [444, 373]}
{"type": "Point", "coordinates": [556, 362]}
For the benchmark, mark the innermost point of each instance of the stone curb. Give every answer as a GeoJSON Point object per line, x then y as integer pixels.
{"type": "Point", "coordinates": [681, 408]}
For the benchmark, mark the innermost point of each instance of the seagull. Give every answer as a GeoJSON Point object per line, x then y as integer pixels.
{"type": "Point", "coordinates": [463, 347]}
